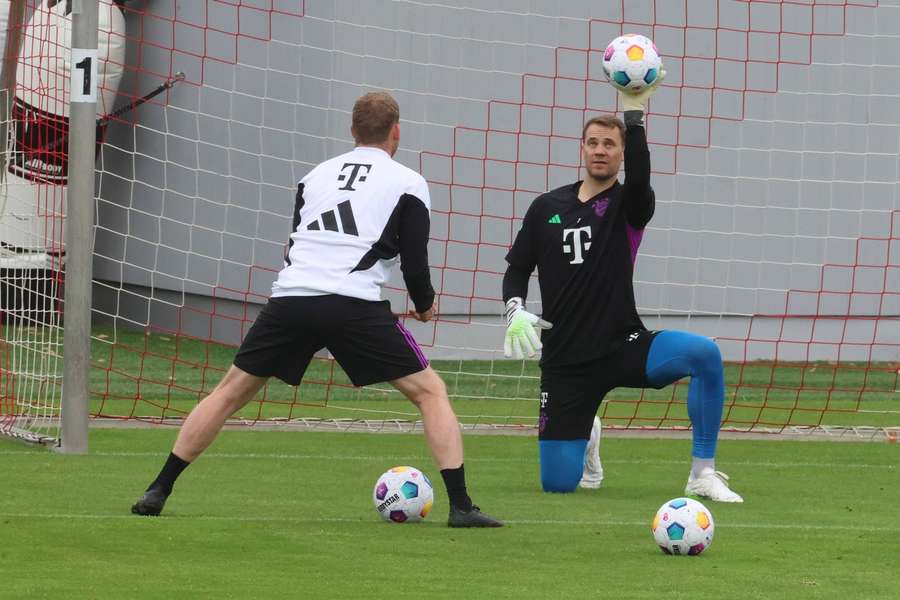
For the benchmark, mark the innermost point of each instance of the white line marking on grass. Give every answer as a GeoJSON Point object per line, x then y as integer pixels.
{"type": "Point", "coordinates": [786, 526]}
{"type": "Point", "coordinates": [609, 523]}
{"type": "Point", "coordinates": [408, 457]}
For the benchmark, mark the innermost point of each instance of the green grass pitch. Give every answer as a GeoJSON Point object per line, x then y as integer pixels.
{"type": "Point", "coordinates": [289, 515]}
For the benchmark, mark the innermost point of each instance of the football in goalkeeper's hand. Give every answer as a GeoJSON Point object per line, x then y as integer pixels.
{"type": "Point", "coordinates": [631, 62]}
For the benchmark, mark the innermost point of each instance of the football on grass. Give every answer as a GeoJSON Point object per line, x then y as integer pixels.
{"type": "Point", "coordinates": [631, 62]}
{"type": "Point", "coordinates": [403, 495]}
{"type": "Point", "coordinates": [683, 526]}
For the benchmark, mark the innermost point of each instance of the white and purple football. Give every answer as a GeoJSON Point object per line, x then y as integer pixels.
{"type": "Point", "coordinates": [631, 62]}
{"type": "Point", "coordinates": [403, 495]}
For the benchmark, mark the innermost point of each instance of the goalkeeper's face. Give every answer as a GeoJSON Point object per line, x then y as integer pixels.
{"type": "Point", "coordinates": [602, 151]}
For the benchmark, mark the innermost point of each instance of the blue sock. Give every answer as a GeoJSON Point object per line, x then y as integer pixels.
{"type": "Point", "coordinates": [677, 354]}
{"type": "Point", "coordinates": [562, 464]}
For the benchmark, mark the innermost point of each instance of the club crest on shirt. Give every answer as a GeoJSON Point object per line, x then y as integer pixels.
{"type": "Point", "coordinates": [600, 207]}
{"type": "Point", "coordinates": [543, 419]}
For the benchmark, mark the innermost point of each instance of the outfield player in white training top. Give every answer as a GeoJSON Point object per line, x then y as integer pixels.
{"type": "Point", "coordinates": [355, 216]}
{"type": "Point", "coordinates": [583, 239]}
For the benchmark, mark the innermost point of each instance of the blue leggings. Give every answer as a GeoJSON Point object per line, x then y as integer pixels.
{"type": "Point", "coordinates": [673, 355]}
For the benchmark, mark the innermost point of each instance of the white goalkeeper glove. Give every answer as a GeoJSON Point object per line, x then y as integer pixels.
{"type": "Point", "coordinates": [638, 100]}
{"type": "Point", "coordinates": [521, 334]}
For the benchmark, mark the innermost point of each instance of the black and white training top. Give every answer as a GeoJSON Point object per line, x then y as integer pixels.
{"type": "Point", "coordinates": [354, 216]}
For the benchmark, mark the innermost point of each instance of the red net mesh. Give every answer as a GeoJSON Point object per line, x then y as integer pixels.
{"type": "Point", "coordinates": [482, 181]}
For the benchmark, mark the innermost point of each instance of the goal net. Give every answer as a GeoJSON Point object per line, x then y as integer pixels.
{"type": "Point", "coordinates": [774, 144]}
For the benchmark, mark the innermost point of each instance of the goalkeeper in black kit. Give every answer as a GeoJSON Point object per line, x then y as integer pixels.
{"type": "Point", "coordinates": [583, 238]}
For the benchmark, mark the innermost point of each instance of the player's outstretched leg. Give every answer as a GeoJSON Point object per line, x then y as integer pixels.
{"type": "Point", "coordinates": [677, 354]}
{"type": "Point", "coordinates": [199, 430]}
{"type": "Point", "coordinates": [427, 391]}
{"type": "Point", "coordinates": [592, 474]}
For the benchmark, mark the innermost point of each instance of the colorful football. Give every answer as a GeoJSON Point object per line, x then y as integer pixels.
{"type": "Point", "coordinates": [631, 62]}
{"type": "Point", "coordinates": [403, 495]}
{"type": "Point", "coordinates": [683, 526]}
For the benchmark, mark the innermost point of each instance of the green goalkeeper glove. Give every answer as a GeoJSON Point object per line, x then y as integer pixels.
{"type": "Point", "coordinates": [521, 334]}
{"type": "Point", "coordinates": [638, 100]}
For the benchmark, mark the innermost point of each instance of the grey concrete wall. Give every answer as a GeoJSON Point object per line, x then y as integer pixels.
{"type": "Point", "coordinates": [774, 144]}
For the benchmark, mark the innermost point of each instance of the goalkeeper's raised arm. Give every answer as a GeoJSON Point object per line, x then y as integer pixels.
{"type": "Point", "coordinates": [636, 190]}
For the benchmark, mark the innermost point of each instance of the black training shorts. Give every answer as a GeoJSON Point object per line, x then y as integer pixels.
{"type": "Point", "coordinates": [570, 396]}
{"type": "Point", "coordinates": [365, 337]}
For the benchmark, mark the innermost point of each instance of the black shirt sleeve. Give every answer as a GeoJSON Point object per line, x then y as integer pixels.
{"type": "Point", "coordinates": [523, 253]}
{"type": "Point", "coordinates": [413, 229]}
{"type": "Point", "coordinates": [522, 258]}
{"type": "Point", "coordinates": [640, 201]}
{"type": "Point", "coordinates": [515, 283]}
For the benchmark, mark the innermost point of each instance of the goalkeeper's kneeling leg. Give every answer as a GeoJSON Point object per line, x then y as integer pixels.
{"type": "Point", "coordinates": [562, 464]}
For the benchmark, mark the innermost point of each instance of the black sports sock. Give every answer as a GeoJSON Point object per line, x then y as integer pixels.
{"type": "Point", "coordinates": [170, 472]}
{"type": "Point", "coordinates": [455, 480]}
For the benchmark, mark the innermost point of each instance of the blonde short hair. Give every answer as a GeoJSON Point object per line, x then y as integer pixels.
{"type": "Point", "coordinates": [374, 114]}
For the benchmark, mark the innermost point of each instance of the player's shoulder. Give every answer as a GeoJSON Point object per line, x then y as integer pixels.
{"type": "Point", "coordinates": [410, 182]}
{"type": "Point", "coordinates": [563, 192]}
{"type": "Point", "coordinates": [379, 158]}
{"type": "Point", "coordinates": [411, 176]}
{"type": "Point", "coordinates": [551, 199]}
{"type": "Point", "coordinates": [328, 166]}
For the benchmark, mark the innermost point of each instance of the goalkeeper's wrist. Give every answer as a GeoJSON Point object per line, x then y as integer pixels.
{"type": "Point", "coordinates": [513, 305]}
{"type": "Point", "coordinates": [633, 117]}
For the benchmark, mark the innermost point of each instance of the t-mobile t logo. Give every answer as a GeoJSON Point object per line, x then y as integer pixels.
{"type": "Point", "coordinates": [354, 175]}
{"type": "Point", "coordinates": [579, 243]}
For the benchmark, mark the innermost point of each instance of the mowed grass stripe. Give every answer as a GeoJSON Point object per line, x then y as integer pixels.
{"type": "Point", "coordinates": [564, 522]}
{"type": "Point", "coordinates": [494, 459]}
